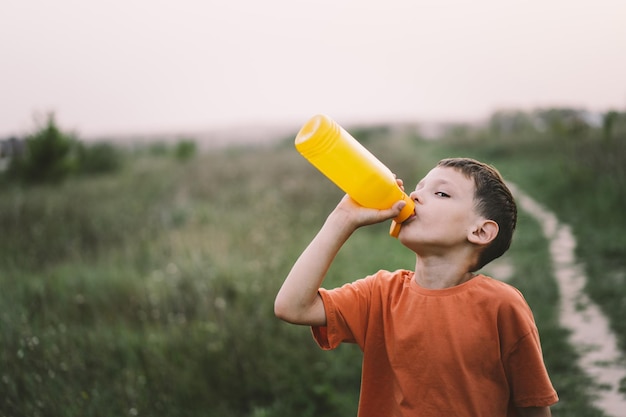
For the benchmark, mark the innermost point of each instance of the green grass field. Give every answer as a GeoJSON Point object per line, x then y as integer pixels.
{"type": "Point", "coordinates": [150, 291]}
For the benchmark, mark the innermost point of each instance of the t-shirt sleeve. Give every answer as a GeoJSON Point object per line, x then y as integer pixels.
{"type": "Point", "coordinates": [530, 383]}
{"type": "Point", "coordinates": [346, 314]}
{"type": "Point", "coordinates": [523, 359]}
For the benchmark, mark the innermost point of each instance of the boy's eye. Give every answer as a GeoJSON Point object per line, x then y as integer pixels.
{"type": "Point", "coordinates": [441, 194]}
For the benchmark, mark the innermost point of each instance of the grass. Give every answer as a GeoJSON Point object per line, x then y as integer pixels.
{"type": "Point", "coordinates": [150, 292]}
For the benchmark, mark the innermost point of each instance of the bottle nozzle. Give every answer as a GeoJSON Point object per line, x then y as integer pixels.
{"type": "Point", "coordinates": [407, 211]}
{"type": "Point", "coordinates": [394, 230]}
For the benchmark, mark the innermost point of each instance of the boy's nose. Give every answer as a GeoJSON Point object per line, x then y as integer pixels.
{"type": "Point", "coordinates": [415, 196]}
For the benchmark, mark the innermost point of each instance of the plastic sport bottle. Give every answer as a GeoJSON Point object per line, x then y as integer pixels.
{"type": "Point", "coordinates": [347, 163]}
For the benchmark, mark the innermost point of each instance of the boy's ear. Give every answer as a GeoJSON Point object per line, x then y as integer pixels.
{"type": "Point", "coordinates": [484, 232]}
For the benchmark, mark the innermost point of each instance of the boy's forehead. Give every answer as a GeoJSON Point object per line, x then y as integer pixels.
{"type": "Point", "coordinates": [448, 175]}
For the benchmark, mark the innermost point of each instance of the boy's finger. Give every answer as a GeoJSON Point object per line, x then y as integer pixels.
{"type": "Point", "coordinates": [399, 205]}
{"type": "Point", "coordinates": [400, 183]}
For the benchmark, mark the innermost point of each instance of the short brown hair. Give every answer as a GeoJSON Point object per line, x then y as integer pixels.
{"type": "Point", "coordinates": [493, 200]}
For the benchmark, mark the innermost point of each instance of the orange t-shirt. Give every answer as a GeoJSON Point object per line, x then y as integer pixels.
{"type": "Point", "coordinates": [469, 350]}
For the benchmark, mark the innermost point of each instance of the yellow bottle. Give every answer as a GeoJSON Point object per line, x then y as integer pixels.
{"type": "Point", "coordinates": [341, 158]}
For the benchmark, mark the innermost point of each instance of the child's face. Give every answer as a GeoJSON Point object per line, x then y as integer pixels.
{"type": "Point", "coordinates": [444, 211]}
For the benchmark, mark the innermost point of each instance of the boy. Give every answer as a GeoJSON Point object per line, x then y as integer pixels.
{"type": "Point", "coordinates": [440, 340]}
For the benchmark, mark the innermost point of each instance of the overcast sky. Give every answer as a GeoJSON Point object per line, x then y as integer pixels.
{"type": "Point", "coordinates": [133, 66]}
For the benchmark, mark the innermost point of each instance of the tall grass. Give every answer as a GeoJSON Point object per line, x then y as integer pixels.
{"type": "Point", "coordinates": [150, 292]}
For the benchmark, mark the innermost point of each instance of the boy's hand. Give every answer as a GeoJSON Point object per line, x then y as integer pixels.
{"type": "Point", "coordinates": [354, 215]}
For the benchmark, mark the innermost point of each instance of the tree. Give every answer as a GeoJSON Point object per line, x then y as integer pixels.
{"type": "Point", "coordinates": [50, 155]}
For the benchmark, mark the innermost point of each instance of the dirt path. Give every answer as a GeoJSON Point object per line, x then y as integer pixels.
{"type": "Point", "coordinates": [591, 334]}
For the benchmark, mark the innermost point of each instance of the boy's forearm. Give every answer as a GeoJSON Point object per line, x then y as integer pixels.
{"type": "Point", "coordinates": [298, 300]}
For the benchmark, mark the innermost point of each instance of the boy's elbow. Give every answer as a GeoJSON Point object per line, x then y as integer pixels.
{"type": "Point", "coordinates": [312, 314]}
{"type": "Point", "coordinates": [282, 310]}
{"type": "Point", "coordinates": [278, 310]}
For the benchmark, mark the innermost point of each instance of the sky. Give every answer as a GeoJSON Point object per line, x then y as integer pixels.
{"type": "Point", "coordinates": [139, 66]}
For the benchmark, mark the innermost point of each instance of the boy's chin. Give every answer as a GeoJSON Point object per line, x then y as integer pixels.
{"type": "Point", "coordinates": [406, 238]}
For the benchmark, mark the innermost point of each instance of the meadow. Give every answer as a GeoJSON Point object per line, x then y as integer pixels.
{"type": "Point", "coordinates": [150, 291]}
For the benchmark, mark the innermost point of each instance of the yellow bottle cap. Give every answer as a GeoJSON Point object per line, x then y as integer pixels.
{"type": "Point", "coordinates": [394, 230]}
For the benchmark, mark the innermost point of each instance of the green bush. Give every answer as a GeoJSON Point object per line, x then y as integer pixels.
{"type": "Point", "coordinates": [50, 155]}
{"type": "Point", "coordinates": [99, 158]}
{"type": "Point", "coordinates": [614, 125]}
{"type": "Point", "coordinates": [185, 149]}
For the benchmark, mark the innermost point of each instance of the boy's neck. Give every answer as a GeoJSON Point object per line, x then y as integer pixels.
{"type": "Point", "coordinates": [440, 273]}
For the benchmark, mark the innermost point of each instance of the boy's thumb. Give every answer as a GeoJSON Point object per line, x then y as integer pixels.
{"type": "Point", "coordinates": [400, 204]}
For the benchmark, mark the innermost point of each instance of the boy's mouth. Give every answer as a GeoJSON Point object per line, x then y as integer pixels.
{"type": "Point", "coordinates": [410, 218]}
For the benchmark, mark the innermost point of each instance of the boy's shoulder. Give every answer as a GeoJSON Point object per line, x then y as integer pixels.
{"type": "Point", "coordinates": [386, 278]}
{"type": "Point", "coordinates": [497, 285]}
{"type": "Point", "coordinates": [505, 298]}
{"type": "Point", "coordinates": [384, 281]}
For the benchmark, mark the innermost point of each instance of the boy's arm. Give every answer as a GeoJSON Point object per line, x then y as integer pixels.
{"type": "Point", "coordinates": [534, 411]}
{"type": "Point", "coordinates": [298, 300]}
